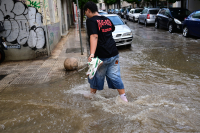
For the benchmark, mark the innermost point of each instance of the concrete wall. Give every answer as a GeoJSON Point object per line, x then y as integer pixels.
{"type": "Point", "coordinates": [53, 34]}
{"type": "Point", "coordinates": [32, 27]}
{"type": "Point", "coordinates": [193, 5]}
{"type": "Point", "coordinates": [177, 4]}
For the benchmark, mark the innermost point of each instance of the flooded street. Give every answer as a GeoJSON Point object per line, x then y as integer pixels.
{"type": "Point", "coordinates": [161, 75]}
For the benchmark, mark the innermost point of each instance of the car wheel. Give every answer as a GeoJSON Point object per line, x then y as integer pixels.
{"type": "Point", "coordinates": [156, 25]}
{"type": "Point", "coordinates": [138, 21]}
{"type": "Point", "coordinates": [133, 19]}
{"type": "Point", "coordinates": [145, 23]}
{"type": "Point", "coordinates": [171, 28]}
{"type": "Point", "coordinates": [185, 32]}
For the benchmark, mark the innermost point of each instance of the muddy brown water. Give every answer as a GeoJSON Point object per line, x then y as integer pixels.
{"type": "Point", "coordinates": [162, 84]}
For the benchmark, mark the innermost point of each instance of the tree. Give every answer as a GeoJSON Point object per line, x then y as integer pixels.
{"type": "Point", "coordinates": [81, 4]}
{"type": "Point", "coordinates": [110, 2]}
{"type": "Point", "coordinates": [134, 1]}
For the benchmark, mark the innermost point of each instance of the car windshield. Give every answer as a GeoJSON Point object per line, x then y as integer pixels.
{"type": "Point", "coordinates": [101, 13]}
{"type": "Point", "coordinates": [138, 10]}
{"type": "Point", "coordinates": [180, 12]}
{"type": "Point", "coordinates": [153, 11]}
{"type": "Point", "coordinates": [116, 20]}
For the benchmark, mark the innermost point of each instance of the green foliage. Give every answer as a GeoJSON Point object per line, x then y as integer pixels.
{"type": "Point", "coordinates": [131, 1]}
{"type": "Point", "coordinates": [81, 3]}
{"type": "Point", "coordinates": [110, 2]}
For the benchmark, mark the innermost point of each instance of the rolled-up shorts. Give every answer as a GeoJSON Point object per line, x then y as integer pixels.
{"type": "Point", "coordinates": [111, 70]}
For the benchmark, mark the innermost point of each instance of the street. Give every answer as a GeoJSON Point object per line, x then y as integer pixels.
{"type": "Point", "coordinates": [161, 75]}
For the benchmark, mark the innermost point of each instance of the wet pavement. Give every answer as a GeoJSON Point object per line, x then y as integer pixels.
{"type": "Point", "coordinates": [45, 69]}
{"type": "Point", "coordinates": [160, 72]}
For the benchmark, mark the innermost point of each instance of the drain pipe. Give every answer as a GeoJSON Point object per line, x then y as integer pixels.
{"type": "Point", "coordinates": [79, 25]}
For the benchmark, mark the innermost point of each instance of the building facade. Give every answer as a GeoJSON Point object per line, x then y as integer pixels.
{"type": "Point", "coordinates": [34, 27]}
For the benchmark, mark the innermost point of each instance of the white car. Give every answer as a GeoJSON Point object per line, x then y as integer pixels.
{"type": "Point", "coordinates": [122, 34]}
{"type": "Point", "coordinates": [134, 14]}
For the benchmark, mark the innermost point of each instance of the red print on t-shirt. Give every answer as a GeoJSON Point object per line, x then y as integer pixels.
{"type": "Point", "coordinates": [102, 23]}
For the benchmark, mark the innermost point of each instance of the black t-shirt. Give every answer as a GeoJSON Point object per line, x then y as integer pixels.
{"type": "Point", "coordinates": [103, 26]}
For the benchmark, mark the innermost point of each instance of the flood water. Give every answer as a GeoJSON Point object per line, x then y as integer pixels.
{"type": "Point", "coordinates": [161, 75]}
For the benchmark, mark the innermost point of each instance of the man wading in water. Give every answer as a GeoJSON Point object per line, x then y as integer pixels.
{"type": "Point", "coordinates": [102, 45]}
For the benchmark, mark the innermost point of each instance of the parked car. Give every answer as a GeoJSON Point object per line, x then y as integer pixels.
{"type": "Point", "coordinates": [102, 12]}
{"type": "Point", "coordinates": [121, 13]}
{"type": "Point", "coordinates": [191, 25]}
{"type": "Point", "coordinates": [126, 12]}
{"type": "Point", "coordinates": [112, 11]}
{"type": "Point", "coordinates": [108, 11]}
{"type": "Point", "coordinates": [171, 18]}
{"type": "Point", "coordinates": [148, 16]}
{"type": "Point", "coordinates": [122, 34]}
{"type": "Point", "coordinates": [134, 14]}
{"type": "Point", "coordinates": [116, 11]}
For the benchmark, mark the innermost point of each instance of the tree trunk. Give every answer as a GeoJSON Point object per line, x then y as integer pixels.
{"type": "Point", "coordinates": [119, 5]}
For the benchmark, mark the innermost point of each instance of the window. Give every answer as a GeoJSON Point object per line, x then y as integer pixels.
{"type": "Point", "coordinates": [167, 13]}
{"type": "Point", "coordinates": [116, 20]}
{"type": "Point", "coordinates": [196, 15]}
{"type": "Point", "coordinates": [162, 11]}
{"type": "Point", "coordinates": [144, 11]}
{"type": "Point", "coordinates": [138, 10]}
{"type": "Point", "coordinates": [153, 11]}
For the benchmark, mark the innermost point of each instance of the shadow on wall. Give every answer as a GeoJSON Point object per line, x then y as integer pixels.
{"type": "Point", "coordinates": [23, 24]}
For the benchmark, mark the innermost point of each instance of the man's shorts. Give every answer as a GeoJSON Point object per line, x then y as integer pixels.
{"type": "Point", "coordinates": [111, 70]}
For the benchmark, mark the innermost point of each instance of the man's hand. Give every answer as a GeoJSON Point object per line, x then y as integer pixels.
{"type": "Point", "coordinates": [90, 57]}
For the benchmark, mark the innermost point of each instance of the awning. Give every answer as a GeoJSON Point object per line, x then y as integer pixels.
{"type": "Point", "coordinates": [125, 4]}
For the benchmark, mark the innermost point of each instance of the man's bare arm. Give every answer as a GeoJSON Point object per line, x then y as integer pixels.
{"type": "Point", "coordinates": [93, 45]}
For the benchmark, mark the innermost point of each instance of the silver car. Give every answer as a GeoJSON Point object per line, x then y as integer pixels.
{"type": "Point", "coordinates": [148, 16]}
{"type": "Point", "coordinates": [122, 34]}
{"type": "Point", "coordinates": [134, 14]}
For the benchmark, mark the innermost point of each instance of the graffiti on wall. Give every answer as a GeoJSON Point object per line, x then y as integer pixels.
{"type": "Point", "coordinates": [23, 24]}
{"type": "Point", "coordinates": [34, 4]}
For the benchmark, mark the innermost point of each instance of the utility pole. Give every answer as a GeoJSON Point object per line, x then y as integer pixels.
{"type": "Point", "coordinates": [79, 25]}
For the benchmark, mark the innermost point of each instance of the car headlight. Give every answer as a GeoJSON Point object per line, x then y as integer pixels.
{"type": "Point", "coordinates": [177, 21]}
{"type": "Point", "coordinates": [127, 34]}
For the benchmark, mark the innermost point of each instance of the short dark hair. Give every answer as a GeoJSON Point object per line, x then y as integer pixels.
{"type": "Point", "coordinates": [92, 6]}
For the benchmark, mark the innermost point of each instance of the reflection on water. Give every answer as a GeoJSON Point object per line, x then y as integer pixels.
{"type": "Point", "coordinates": [162, 85]}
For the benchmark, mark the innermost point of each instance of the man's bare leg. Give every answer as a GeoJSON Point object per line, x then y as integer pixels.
{"type": "Point", "coordinates": [121, 91]}
{"type": "Point", "coordinates": [93, 91]}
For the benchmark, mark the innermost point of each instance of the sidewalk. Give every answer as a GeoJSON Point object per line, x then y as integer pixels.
{"type": "Point", "coordinates": [47, 68]}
